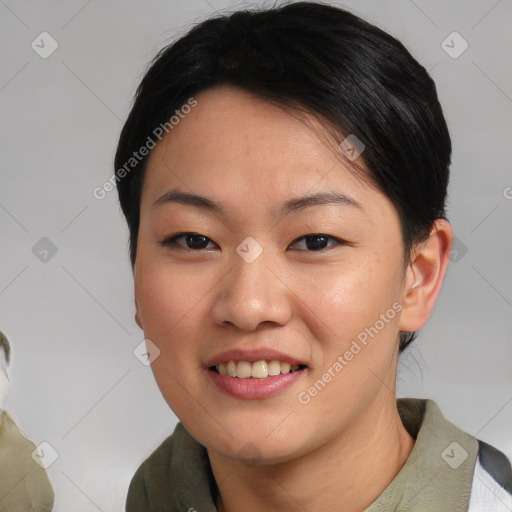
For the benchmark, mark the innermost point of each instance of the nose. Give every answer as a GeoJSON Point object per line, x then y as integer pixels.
{"type": "Point", "coordinates": [252, 294]}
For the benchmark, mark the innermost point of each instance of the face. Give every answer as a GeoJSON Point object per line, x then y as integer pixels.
{"type": "Point", "coordinates": [309, 284]}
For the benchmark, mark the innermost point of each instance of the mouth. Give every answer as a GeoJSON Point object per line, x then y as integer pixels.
{"type": "Point", "coordinates": [262, 369]}
{"type": "Point", "coordinates": [263, 378]}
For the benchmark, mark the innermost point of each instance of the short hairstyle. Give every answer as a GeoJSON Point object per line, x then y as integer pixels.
{"type": "Point", "coordinates": [322, 59]}
{"type": "Point", "coordinates": [4, 344]}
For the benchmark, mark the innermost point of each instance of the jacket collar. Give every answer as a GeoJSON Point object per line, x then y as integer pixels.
{"type": "Point", "coordinates": [437, 475]}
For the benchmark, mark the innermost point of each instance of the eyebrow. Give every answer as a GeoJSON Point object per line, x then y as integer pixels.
{"type": "Point", "coordinates": [291, 205]}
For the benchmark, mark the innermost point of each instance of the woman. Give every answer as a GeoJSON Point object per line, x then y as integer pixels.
{"type": "Point", "coordinates": [283, 174]}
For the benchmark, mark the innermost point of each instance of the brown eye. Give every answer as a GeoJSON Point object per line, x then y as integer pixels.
{"type": "Point", "coordinates": [193, 241]}
{"type": "Point", "coordinates": [317, 242]}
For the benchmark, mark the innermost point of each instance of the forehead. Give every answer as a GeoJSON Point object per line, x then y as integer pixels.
{"type": "Point", "coordinates": [237, 146]}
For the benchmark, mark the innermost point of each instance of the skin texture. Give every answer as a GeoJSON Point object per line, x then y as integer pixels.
{"type": "Point", "coordinates": [343, 448]}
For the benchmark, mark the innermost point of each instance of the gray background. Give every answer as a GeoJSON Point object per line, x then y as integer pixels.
{"type": "Point", "coordinates": [76, 383]}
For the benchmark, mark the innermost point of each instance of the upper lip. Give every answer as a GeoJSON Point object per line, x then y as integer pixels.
{"type": "Point", "coordinates": [252, 356]}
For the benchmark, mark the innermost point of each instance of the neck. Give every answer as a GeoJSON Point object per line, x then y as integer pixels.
{"type": "Point", "coordinates": [347, 473]}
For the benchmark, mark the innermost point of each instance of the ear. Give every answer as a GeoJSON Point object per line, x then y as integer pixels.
{"type": "Point", "coordinates": [138, 318]}
{"type": "Point", "coordinates": [424, 276]}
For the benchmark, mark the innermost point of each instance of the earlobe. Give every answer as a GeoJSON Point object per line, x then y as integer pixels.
{"type": "Point", "coordinates": [425, 275]}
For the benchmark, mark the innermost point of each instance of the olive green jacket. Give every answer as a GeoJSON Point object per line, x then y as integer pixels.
{"type": "Point", "coordinates": [437, 476]}
{"type": "Point", "coordinates": [24, 484]}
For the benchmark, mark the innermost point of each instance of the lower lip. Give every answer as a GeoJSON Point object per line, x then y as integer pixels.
{"type": "Point", "coordinates": [251, 389]}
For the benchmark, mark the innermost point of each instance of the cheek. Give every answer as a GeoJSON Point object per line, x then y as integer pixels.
{"type": "Point", "coordinates": [353, 304]}
{"type": "Point", "coordinates": [170, 307]}
{"type": "Point", "coordinates": [356, 349]}
{"type": "Point", "coordinates": [351, 294]}
{"type": "Point", "coordinates": [169, 303]}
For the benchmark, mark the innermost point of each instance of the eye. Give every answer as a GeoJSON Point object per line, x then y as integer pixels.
{"type": "Point", "coordinates": [192, 240]}
{"type": "Point", "coordinates": [195, 241]}
{"type": "Point", "coordinates": [317, 242]}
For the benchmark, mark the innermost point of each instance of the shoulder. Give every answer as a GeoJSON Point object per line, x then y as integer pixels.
{"type": "Point", "coordinates": [153, 469]}
{"type": "Point", "coordinates": [12, 439]}
{"type": "Point", "coordinates": [175, 473]}
{"type": "Point", "coordinates": [17, 464]}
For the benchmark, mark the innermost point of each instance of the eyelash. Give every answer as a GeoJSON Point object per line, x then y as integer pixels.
{"type": "Point", "coordinates": [171, 241]}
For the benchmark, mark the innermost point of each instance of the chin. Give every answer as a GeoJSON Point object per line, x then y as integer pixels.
{"type": "Point", "coordinates": [253, 447]}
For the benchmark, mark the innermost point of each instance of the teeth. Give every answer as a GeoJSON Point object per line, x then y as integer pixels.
{"type": "Point", "coordinates": [231, 369]}
{"type": "Point", "coordinates": [257, 370]}
{"type": "Point", "coordinates": [274, 367]}
{"type": "Point", "coordinates": [243, 369]}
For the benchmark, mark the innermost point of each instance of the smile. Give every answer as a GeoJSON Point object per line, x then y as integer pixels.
{"type": "Point", "coordinates": [256, 370]}
{"type": "Point", "coordinates": [257, 380]}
